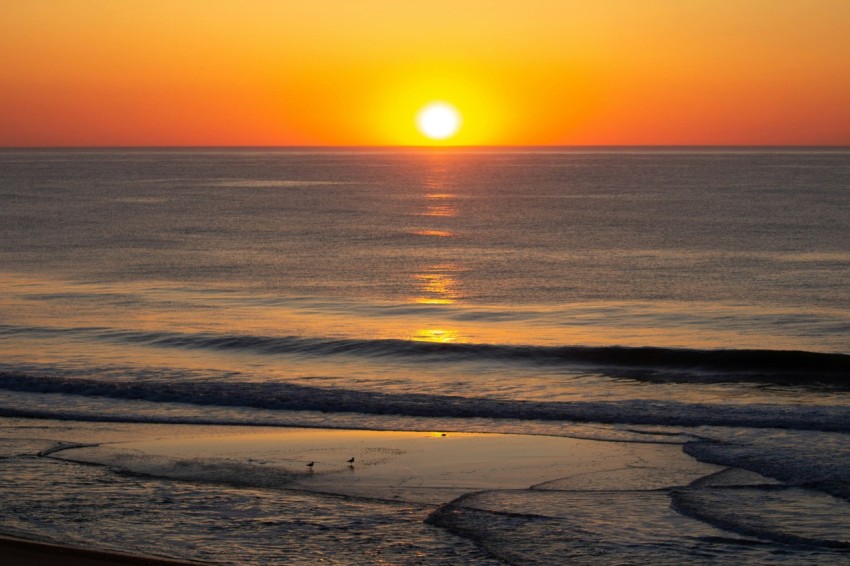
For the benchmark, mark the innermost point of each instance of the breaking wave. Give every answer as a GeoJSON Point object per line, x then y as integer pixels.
{"type": "Point", "coordinates": [647, 363]}
{"type": "Point", "coordinates": [292, 397]}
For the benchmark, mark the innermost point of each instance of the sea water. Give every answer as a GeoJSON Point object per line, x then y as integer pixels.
{"type": "Point", "coordinates": [696, 296]}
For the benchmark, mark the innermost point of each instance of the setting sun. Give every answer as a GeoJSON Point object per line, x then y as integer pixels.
{"type": "Point", "coordinates": [366, 73]}
{"type": "Point", "coordinates": [578, 263]}
{"type": "Point", "coordinates": [438, 120]}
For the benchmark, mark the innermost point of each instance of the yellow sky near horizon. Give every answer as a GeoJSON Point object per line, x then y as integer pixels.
{"type": "Point", "coordinates": [355, 72]}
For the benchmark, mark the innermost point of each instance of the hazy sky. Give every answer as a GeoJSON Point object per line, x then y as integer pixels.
{"type": "Point", "coordinates": [354, 72]}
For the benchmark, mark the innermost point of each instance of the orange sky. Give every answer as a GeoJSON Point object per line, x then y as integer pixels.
{"type": "Point", "coordinates": [355, 72]}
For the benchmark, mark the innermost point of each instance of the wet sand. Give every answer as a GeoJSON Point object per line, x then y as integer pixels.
{"type": "Point", "coordinates": [18, 552]}
{"type": "Point", "coordinates": [428, 467]}
{"type": "Point", "coordinates": [421, 467]}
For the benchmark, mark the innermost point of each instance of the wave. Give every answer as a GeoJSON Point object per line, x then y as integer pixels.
{"type": "Point", "coordinates": [646, 363]}
{"type": "Point", "coordinates": [770, 512]}
{"type": "Point", "coordinates": [291, 397]}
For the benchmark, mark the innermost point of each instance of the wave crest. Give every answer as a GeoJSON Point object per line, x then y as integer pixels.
{"type": "Point", "coordinates": [791, 367]}
{"type": "Point", "coordinates": [291, 397]}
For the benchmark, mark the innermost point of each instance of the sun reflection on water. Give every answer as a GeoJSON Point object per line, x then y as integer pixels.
{"type": "Point", "coordinates": [442, 335]}
{"type": "Point", "coordinates": [437, 285]}
{"type": "Point", "coordinates": [435, 233]}
{"type": "Point", "coordinates": [440, 205]}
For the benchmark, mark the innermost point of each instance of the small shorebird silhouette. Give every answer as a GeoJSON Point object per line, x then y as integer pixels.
{"type": "Point", "coordinates": [310, 465]}
{"type": "Point", "coordinates": [350, 461]}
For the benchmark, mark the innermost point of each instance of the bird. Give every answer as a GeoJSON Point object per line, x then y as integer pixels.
{"type": "Point", "coordinates": [310, 465]}
{"type": "Point", "coordinates": [351, 461]}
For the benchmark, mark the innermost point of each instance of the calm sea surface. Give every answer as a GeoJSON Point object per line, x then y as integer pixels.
{"type": "Point", "coordinates": [645, 293]}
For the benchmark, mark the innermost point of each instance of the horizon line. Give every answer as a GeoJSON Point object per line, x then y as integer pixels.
{"type": "Point", "coordinates": [436, 147]}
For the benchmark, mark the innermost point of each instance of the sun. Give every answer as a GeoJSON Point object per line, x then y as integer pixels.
{"type": "Point", "coordinates": [438, 120]}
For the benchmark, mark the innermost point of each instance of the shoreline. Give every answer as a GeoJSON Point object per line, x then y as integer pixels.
{"type": "Point", "coordinates": [430, 468]}
{"type": "Point", "coordinates": [418, 471]}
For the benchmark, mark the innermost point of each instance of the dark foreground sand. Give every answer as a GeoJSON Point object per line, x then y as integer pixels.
{"type": "Point", "coordinates": [16, 552]}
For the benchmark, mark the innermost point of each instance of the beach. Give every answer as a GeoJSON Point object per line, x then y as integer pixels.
{"type": "Point", "coordinates": [440, 283]}
{"type": "Point", "coordinates": [427, 470]}
{"type": "Point", "coordinates": [532, 355]}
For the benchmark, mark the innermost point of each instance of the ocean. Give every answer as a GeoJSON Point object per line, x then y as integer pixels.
{"type": "Point", "coordinates": [689, 296]}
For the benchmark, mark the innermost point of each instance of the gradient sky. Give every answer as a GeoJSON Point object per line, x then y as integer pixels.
{"type": "Point", "coordinates": [355, 72]}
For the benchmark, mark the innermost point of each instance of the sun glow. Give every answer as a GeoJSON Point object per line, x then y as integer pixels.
{"type": "Point", "coordinates": [438, 120]}
{"type": "Point", "coordinates": [472, 106]}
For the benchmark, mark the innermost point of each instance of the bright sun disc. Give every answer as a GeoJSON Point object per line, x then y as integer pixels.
{"type": "Point", "coordinates": [438, 120]}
